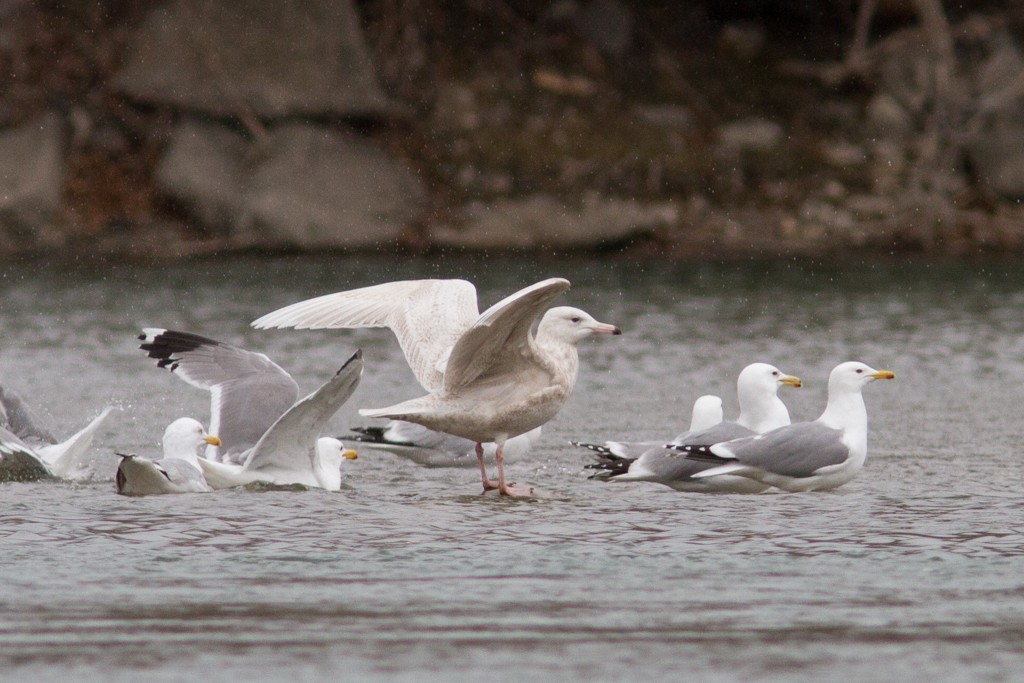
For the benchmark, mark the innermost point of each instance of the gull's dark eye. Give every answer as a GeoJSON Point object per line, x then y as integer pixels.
{"type": "Point", "coordinates": [860, 370]}
{"type": "Point", "coordinates": [775, 373]}
{"type": "Point", "coordinates": [575, 318]}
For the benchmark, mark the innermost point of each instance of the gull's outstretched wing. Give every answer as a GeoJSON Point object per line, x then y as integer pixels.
{"type": "Point", "coordinates": [290, 442]}
{"type": "Point", "coordinates": [248, 391]}
{"type": "Point", "coordinates": [501, 337]}
{"type": "Point", "coordinates": [427, 317]}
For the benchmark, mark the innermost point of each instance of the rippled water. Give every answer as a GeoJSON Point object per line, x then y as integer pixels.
{"type": "Point", "coordinates": [911, 572]}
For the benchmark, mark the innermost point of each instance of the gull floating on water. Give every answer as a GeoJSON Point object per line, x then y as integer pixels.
{"type": "Point", "coordinates": [273, 438]}
{"type": "Point", "coordinates": [761, 410]}
{"type": "Point", "coordinates": [806, 456]}
{"type": "Point", "coordinates": [489, 377]}
{"type": "Point", "coordinates": [436, 449]}
{"type": "Point", "coordinates": [65, 459]}
{"type": "Point", "coordinates": [176, 472]}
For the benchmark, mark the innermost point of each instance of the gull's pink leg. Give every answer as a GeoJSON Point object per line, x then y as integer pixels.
{"type": "Point", "coordinates": [488, 484]}
{"type": "Point", "coordinates": [503, 488]}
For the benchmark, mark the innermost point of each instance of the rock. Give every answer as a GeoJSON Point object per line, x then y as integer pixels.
{"type": "Point", "coordinates": [308, 188]}
{"type": "Point", "coordinates": [545, 221]}
{"type": "Point", "coordinates": [455, 108]}
{"type": "Point", "coordinates": [749, 135]}
{"type": "Point", "coordinates": [202, 168]}
{"type": "Point", "coordinates": [278, 59]}
{"type": "Point", "coordinates": [607, 25]}
{"type": "Point", "coordinates": [842, 154]}
{"type": "Point", "coordinates": [665, 115]}
{"type": "Point", "coordinates": [743, 40]}
{"type": "Point", "coordinates": [887, 117]}
{"type": "Point", "coordinates": [997, 151]}
{"type": "Point", "coordinates": [32, 169]}
{"type": "Point", "coordinates": [321, 189]}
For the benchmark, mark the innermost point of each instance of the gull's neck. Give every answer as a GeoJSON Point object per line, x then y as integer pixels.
{"type": "Point", "coordinates": [327, 476]}
{"type": "Point", "coordinates": [845, 411]}
{"type": "Point", "coordinates": [763, 416]}
{"type": "Point", "coordinates": [560, 357]}
{"type": "Point", "coordinates": [173, 451]}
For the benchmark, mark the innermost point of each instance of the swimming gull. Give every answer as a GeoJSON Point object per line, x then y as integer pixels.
{"type": "Point", "coordinates": [176, 472]}
{"type": "Point", "coordinates": [66, 459]}
{"type": "Point", "coordinates": [806, 456]}
{"type": "Point", "coordinates": [761, 410]}
{"type": "Point", "coordinates": [488, 377]}
{"type": "Point", "coordinates": [436, 449]}
{"type": "Point", "coordinates": [290, 452]}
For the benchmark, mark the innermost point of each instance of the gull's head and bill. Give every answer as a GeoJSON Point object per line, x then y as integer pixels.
{"type": "Point", "coordinates": [757, 390]}
{"type": "Point", "coordinates": [178, 470]}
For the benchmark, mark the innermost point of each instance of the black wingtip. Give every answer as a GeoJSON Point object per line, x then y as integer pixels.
{"type": "Point", "coordinates": [165, 345]}
{"type": "Point", "coordinates": [356, 357]}
{"type": "Point", "coordinates": [698, 452]}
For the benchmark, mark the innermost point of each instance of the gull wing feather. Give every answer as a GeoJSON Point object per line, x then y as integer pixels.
{"type": "Point", "coordinates": [501, 335]}
{"type": "Point", "coordinates": [248, 391]}
{"type": "Point", "coordinates": [796, 450]}
{"type": "Point", "coordinates": [666, 465]}
{"type": "Point", "coordinates": [427, 317]}
{"type": "Point", "coordinates": [291, 441]}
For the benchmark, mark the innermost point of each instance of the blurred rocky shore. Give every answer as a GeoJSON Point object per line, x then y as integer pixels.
{"type": "Point", "coordinates": [678, 130]}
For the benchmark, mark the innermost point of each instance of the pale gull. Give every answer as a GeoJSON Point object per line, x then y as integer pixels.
{"type": "Point", "coordinates": [176, 472]}
{"type": "Point", "coordinates": [806, 456]}
{"type": "Point", "coordinates": [436, 449]}
{"type": "Point", "coordinates": [761, 410]}
{"type": "Point", "coordinates": [65, 459]}
{"type": "Point", "coordinates": [488, 377]}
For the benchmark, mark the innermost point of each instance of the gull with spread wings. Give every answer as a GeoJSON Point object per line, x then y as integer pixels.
{"type": "Point", "coordinates": [488, 376]}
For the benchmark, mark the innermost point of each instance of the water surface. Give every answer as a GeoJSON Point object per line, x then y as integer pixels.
{"type": "Point", "coordinates": [913, 571]}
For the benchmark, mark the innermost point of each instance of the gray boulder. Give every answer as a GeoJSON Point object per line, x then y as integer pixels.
{"type": "Point", "coordinates": [545, 221]}
{"type": "Point", "coordinates": [306, 187]}
{"type": "Point", "coordinates": [31, 177]}
{"type": "Point", "coordinates": [276, 59]}
{"type": "Point", "coordinates": [202, 167]}
{"type": "Point", "coordinates": [997, 149]}
{"type": "Point", "coordinates": [748, 135]}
